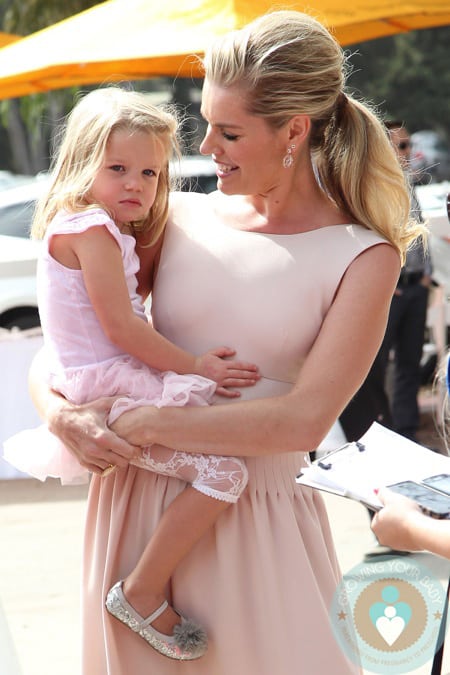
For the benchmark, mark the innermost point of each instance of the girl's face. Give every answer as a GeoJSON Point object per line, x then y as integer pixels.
{"type": "Point", "coordinates": [248, 152]}
{"type": "Point", "coordinates": [127, 181]}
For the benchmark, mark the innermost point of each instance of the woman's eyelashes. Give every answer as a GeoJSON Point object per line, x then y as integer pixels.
{"type": "Point", "coordinates": [229, 137]}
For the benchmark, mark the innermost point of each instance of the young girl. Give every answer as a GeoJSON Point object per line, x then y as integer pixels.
{"type": "Point", "coordinates": [109, 191]}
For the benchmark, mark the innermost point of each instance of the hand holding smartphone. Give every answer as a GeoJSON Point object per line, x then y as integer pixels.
{"type": "Point", "coordinates": [432, 502]}
{"type": "Point", "coordinates": [440, 482]}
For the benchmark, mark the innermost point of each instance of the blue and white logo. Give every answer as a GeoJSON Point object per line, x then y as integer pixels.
{"type": "Point", "coordinates": [386, 615]}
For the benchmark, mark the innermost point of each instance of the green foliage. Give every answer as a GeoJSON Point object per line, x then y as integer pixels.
{"type": "Point", "coordinates": [38, 113]}
{"type": "Point", "coordinates": [27, 16]}
{"type": "Point", "coordinates": [407, 77]}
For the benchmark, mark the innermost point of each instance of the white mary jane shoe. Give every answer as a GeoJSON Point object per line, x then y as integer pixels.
{"type": "Point", "coordinates": [188, 642]}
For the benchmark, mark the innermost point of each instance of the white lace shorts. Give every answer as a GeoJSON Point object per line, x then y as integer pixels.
{"type": "Point", "coordinates": [220, 477]}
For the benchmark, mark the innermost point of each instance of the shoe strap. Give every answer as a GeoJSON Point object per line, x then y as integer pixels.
{"type": "Point", "coordinates": [155, 614]}
{"type": "Point", "coordinates": [137, 617]}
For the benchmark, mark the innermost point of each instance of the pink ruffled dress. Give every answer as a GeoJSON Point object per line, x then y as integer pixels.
{"type": "Point", "coordinates": [85, 365]}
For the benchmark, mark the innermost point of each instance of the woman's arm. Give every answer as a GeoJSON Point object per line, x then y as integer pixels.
{"type": "Point", "coordinates": [82, 429]}
{"type": "Point", "coordinates": [332, 372]}
{"type": "Point", "coordinates": [403, 526]}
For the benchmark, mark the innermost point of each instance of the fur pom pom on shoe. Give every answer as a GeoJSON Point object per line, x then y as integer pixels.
{"type": "Point", "coordinates": [188, 642]}
{"type": "Point", "coordinates": [190, 637]}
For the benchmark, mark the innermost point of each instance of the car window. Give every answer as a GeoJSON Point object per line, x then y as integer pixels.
{"type": "Point", "coordinates": [15, 219]}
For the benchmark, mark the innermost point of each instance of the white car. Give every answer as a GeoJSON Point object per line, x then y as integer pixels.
{"type": "Point", "coordinates": [18, 304]}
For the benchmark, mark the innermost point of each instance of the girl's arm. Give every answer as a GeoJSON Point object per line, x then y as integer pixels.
{"type": "Point", "coordinates": [332, 372]}
{"type": "Point", "coordinates": [403, 526]}
{"type": "Point", "coordinates": [100, 260]}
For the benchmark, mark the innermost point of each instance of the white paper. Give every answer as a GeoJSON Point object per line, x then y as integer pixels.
{"type": "Point", "coordinates": [387, 458]}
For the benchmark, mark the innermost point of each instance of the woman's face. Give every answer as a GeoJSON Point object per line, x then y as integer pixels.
{"type": "Point", "coordinates": [248, 153]}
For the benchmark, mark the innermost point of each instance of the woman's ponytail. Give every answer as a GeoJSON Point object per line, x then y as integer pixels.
{"type": "Point", "coordinates": [359, 169]}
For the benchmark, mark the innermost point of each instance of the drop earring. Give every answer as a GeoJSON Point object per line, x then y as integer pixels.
{"type": "Point", "coordinates": [288, 159]}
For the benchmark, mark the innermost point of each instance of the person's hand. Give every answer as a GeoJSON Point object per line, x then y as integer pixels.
{"type": "Point", "coordinates": [395, 524]}
{"type": "Point", "coordinates": [135, 425]}
{"type": "Point", "coordinates": [216, 366]}
{"type": "Point", "coordinates": [83, 430]}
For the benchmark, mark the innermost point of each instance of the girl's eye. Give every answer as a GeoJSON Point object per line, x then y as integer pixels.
{"type": "Point", "coordinates": [149, 172]}
{"type": "Point", "coordinates": [229, 137]}
{"type": "Point", "coordinates": [117, 167]}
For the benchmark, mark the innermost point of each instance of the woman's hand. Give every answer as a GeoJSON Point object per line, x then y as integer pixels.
{"type": "Point", "coordinates": [215, 366]}
{"type": "Point", "coordinates": [83, 430]}
{"type": "Point", "coordinates": [395, 524]}
{"type": "Point", "coordinates": [135, 426]}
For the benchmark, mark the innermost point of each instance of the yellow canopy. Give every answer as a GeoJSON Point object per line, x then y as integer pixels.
{"type": "Point", "coordinates": [133, 39]}
{"type": "Point", "coordinates": [7, 38]}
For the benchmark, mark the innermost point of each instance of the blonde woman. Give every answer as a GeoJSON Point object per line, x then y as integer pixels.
{"type": "Point", "coordinates": [293, 261]}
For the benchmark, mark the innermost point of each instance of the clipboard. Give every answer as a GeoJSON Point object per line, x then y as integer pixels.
{"type": "Point", "coordinates": [379, 458]}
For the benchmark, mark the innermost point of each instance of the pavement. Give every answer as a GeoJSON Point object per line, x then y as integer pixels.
{"type": "Point", "coordinates": [41, 527]}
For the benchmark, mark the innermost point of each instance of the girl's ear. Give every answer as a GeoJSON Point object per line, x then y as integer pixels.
{"type": "Point", "coordinates": [299, 127]}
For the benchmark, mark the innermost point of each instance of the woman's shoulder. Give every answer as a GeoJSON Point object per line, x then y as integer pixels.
{"type": "Point", "coordinates": [178, 198]}
{"type": "Point", "coordinates": [355, 237]}
{"type": "Point", "coordinates": [365, 233]}
{"type": "Point", "coordinates": [348, 247]}
{"type": "Point", "coordinates": [183, 205]}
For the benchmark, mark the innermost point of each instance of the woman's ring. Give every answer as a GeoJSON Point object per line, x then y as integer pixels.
{"type": "Point", "coordinates": [109, 469]}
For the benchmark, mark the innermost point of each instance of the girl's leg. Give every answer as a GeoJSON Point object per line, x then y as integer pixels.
{"type": "Point", "coordinates": [183, 523]}
{"type": "Point", "coordinates": [218, 482]}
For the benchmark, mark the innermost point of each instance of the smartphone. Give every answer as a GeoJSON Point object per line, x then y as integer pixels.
{"type": "Point", "coordinates": [440, 482]}
{"type": "Point", "coordinates": [433, 503]}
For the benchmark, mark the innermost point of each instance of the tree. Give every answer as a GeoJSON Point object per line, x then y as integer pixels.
{"type": "Point", "coordinates": [407, 77]}
{"type": "Point", "coordinates": [30, 120]}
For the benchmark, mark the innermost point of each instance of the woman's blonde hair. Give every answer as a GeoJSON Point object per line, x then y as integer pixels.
{"type": "Point", "coordinates": [82, 147]}
{"type": "Point", "coordinates": [287, 63]}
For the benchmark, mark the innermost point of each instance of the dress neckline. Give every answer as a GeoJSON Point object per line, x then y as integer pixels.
{"type": "Point", "coordinates": [273, 235]}
{"type": "Point", "coordinates": [224, 224]}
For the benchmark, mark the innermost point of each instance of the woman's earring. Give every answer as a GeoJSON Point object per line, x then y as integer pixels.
{"type": "Point", "coordinates": [288, 159]}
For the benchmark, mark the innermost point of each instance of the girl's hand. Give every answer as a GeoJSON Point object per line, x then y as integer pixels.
{"type": "Point", "coordinates": [83, 430]}
{"type": "Point", "coordinates": [215, 366]}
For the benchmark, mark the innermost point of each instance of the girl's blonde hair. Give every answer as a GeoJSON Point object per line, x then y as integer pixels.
{"type": "Point", "coordinates": [287, 63]}
{"type": "Point", "coordinates": [81, 151]}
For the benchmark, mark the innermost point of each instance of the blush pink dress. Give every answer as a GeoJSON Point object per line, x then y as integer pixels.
{"type": "Point", "coordinates": [262, 580]}
{"type": "Point", "coordinates": [86, 365]}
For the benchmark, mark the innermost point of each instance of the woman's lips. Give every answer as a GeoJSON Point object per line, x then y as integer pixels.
{"type": "Point", "coordinates": [224, 170]}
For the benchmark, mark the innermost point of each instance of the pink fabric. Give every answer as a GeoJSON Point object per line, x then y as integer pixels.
{"type": "Point", "coordinates": [84, 364]}
{"type": "Point", "coordinates": [262, 580]}
{"type": "Point", "coordinates": [72, 332]}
